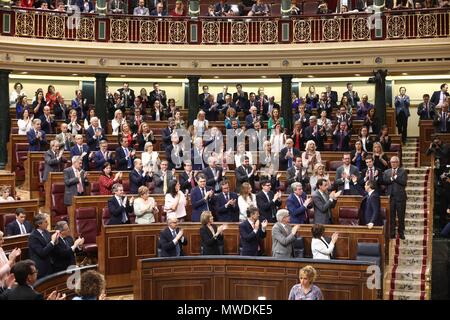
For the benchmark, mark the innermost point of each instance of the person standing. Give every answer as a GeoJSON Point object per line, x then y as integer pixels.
{"type": "Point", "coordinates": [323, 202]}
{"type": "Point", "coordinates": [396, 179]}
{"type": "Point", "coordinates": [252, 231]}
{"type": "Point", "coordinates": [402, 103]}
{"type": "Point", "coordinates": [171, 239]}
{"type": "Point", "coordinates": [306, 290]}
{"type": "Point", "coordinates": [283, 236]}
{"type": "Point", "coordinates": [211, 235]}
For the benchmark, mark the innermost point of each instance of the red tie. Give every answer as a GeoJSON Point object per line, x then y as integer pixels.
{"type": "Point", "coordinates": [370, 174]}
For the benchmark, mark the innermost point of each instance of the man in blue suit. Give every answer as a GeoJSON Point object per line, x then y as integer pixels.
{"type": "Point", "coordinates": [102, 156]}
{"type": "Point", "coordinates": [171, 239]}
{"type": "Point", "coordinates": [372, 216]}
{"type": "Point", "coordinates": [225, 203]}
{"type": "Point", "coordinates": [36, 137]}
{"type": "Point", "coordinates": [82, 150]}
{"type": "Point", "coordinates": [201, 198]}
{"type": "Point", "coordinates": [297, 204]}
{"type": "Point", "coordinates": [124, 156]}
{"type": "Point", "coordinates": [119, 206]}
{"type": "Point", "coordinates": [138, 177]}
{"type": "Point", "coordinates": [402, 103]}
{"type": "Point", "coordinates": [94, 134]}
{"type": "Point", "coordinates": [20, 225]}
{"type": "Point", "coordinates": [251, 232]}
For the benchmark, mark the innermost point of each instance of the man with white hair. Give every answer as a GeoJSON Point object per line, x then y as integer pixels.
{"type": "Point", "coordinates": [174, 153]}
{"type": "Point", "coordinates": [283, 236]}
{"type": "Point", "coordinates": [94, 134]}
{"type": "Point", "coordinates": [171, 239]}
{"type": "Point", "coordinates": [75, 181]}
{"type": "Point", "coordinates": [53, 159]}
{"type": "Point", "coordinates": [36, 137]}
{"type": "Point", "coordinates": [252, 118]}
{"type": "Point", "coordinates": [48, 124]}
{"type": "Point", "coordinates": [213, 174]}
{"type": "Point", "coordinates": [82, 150]}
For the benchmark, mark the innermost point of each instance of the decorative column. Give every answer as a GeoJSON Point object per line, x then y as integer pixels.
{"type": "Point", "coordinates": [5, 120]}
{"type": "Point", "coordinates": [194, 8]}
{"type": "Point", "coordinates": [100, 99]}
{"type": "Point", "coordinates": [193, 98]}
{"type": "Point", "coordinates": [286, 100]}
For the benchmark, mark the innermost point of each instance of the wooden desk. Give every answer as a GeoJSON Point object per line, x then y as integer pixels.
{"type": "Point", "coordinates": [9, 179]}
{"type": "Point", "coordinates": [20, 241]}
{"type": "Point", "coordinates": [120, 247]}
{"type": "Point", "coordinates": [242, 278]}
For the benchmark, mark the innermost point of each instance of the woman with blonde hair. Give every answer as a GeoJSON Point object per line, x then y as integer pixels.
{"type": "Point", "coordinates": [306, 289]}
{"type": "Point", "coordinates": [380, 159]}
{"type": "Point", "coordinates": [6, 263]}
{"type": "Point", "coordinates": [117, 122]}
{"type": "Point", "coordinates": [319, 172]}
{"type": "Point", "coordinates": [200, 124]}
{"type": "Point", "coordinates": [229, 117]}
{"type": "Point", "coordinates": [145, 207]}
{"type": "Point", "coordinates": [310, 157]}
{"type": "Point", "coordinates": [5, 195]}
{"type": "Point", "coordinates": [150, 158]}
{"type": "Point", "coordinates": [246, 199]}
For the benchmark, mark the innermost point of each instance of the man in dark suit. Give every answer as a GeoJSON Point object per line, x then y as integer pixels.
{"type": "Point", "coordinates": [225, 202]}
{"type": "Point", "coordinates": [127, 95]}
{"type": "Point", "coordinates": [167, 134]}
{"type": "Point", "coordinates": [332, 96]}
{"type": "Point", "coordinates": [198, 155]}
{"type": "Point", "coordinates": [48, 124]}
{"type": "Point", "coordinates": [20, 225]}
{"type": "Point", "coordinates": [203, 96]}
{"type": "Point", "coordinates": [25, 272]}
{"type": "Point", "coordinates": [352, 96]}
{"type": "Point", "coordinates": [213, 174]}
{"type": "Point", "coordinates": [158, 94]}
{"type": "Point", "coordinates": [75, 181]}
{"type": "Point", "coordinates": [298, 204]}
{"type": "Point", "coordinates": [269, 106]}
{"type": "Point", "coordinates": [295, 174]}
{"type": "Point", "coordinates": [102, 156]}
{"type": "Point", "coordinates": [240, 98]}
{"type": "Point", "coordinates": [41, 245]}
{"type": "Point", "coordinates": [396, 178]}
{"type": "Point", "coordinates": [341, 138]}
{"type": "Point", "coordinates": [252, 118]}
{"type": "Point", "coordinates": [251, 232]}
{"type": "Point", "coordinates": [81, 150]}
{"type": "Point", "coordinates": [53, 160]}
{"type": "Point", "coordinates": [426, 109]}
{"type": "Point", "coordinates": [174, 153]}
{"type": "Point", "coordinates": [65, 139]}
{"type": "Point", "coordinates": [371, 173]}
{"type": "Point", "coordinates": [138, 177]}
{"type": "Point", "coordinates": [159, 10]}
{"type": "Point", "coordinates": [246, 173]}
{"type": "Point", "coordinates": [60, 109]}
{"type": "Point", "coordinates": [171, 239]}
{"type": "Point", "coordinates": [316, 133]}
{"type": "Point", "coordinates": [371, 204]}
{"type": "Point", "coordinates": [187, 177]}
{"type": "Point", "coordinates": [221, 97]}
{"type": "Point", "coordinates": [288, 155]}
{"type": "Point", "coordinates": [402, 103]}
{"type": "Point", "coordinates": [119, 206]}
{"type": "Point", "coordinates": [63, 254]}
{"type": "Point", "coordinates": [124, 156]}
{"type": "Point", "coordinates": [94, 134]}
{"type": "Point", "coordinates": [442, 119]}
{"type": "Point", "coordinates": [323, 202]}
{"type": "Point", "coordinates": [201, 198]}
{"type": "Point", "coordinates": [439, 97]}
{"type": "Point", "coordinates": [36, 137]}
{"type": "Point", "coordinates": [347, 177]}
{"type": "Point", "coordinates": [268, 202]}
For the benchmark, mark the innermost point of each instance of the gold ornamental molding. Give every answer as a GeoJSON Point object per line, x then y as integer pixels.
{"type": "Point", "coordinates": [56, 26]}
{"type": "Point", "coordinates": [269, 31]}
{"type": "Point", "coordinates": [302, 31]}
{"type": "Point", "coordinates": [25, 23]}
{"type": "Point", "coordinates": [426, 25]}
{"type": "Point", "coordinates": [331, 29]}
{"type": "Point", "coordinates": [211, 32]}
{"type": "Point", "coordinates": [177, 31]}
{"type": "Point", "coordinates": [119, 29]}
{"type": "Point", "coordinates": [396, 27]}
{"type": "Point", "coordinates": [361, 29]}
{"type": "Point", "coordinates": [86, 29]}
{"type": "Point", "coordinates": [239, 32]}
{"type": "Point", "coordinates": [148, 31]}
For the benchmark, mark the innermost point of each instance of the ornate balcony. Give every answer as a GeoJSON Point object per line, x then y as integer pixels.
{"type": "Point", "coordinates": [408, 24]}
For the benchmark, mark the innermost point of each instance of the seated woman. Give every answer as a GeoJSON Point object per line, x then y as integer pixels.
{"type": "Point", "coordinates": [178, 11]}
{"type": "Point", "coordinates": [259, 9]}
{"type": "Point", "coordinates": [179, 122]}
{"type": "Point", "coordinates": [175, 201]}
{"type": "Point", "coordinates": [200, 124]}
{"type": "Point", "coordinates": [107, 180]}
{"type": "Point", "coordinates": [310, 157]}
{"type": "Point", "coordinates": [150, 158]}
{"type": "Point", "coordinates": [371, 122]}
{"type": "Point", "coordinates": [22, 105]}
{"type": "Point", "coordinates": [5, 194]}
{"type": "Point", "coordinates": [144, 136]}
{"type": "Point", "coordinates": [319, 247]}
{"type": "Point", "coordinates": [144, 207]}
{"type": "Point", "coordinates": [306, 289]}
{"type": "Point", "coordinates": [274, 120]}
{"type": "Point", "coordinates": [211, 235]}
{"type": "Point", "coordinates": [92, 286]}
{"type": "Point", "coordinates": [25, 124]}
{"type": "Point", "coordinates": [318, 173]}
{"type": "Point", "coordinates": [380, 159]}
{"type": "Point", "coordinates": [229, 117]}
{"type": "Point", "coordinates": [358, 156]}
{"type": "Point", "coordinates": [366, 140]}
{"type": "Point", "coordinates": [384, 138]}
{"type": "Point", "coordinates": [245, 200]}
{"type": "Point", "coordinates": [277, 138]}
{"type": "Point", "coordinates": [323, 121]}
{"type": "Point", "coordinates": [117, 122]}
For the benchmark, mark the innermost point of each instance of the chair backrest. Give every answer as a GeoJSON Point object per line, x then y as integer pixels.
{"type": "Point", "coordinates": [299, 248]}
{"type": "Point", "coordinates": [41, 170]}
{"type": "Point", "coordinates": [333, 165]}
{"type": "Point", "coordinates": [395, 147]}
{"type": "Point", "coordinates": [58, 209]}
{"type": "Point", "coordinates": [95, 189]}
{"type": "Point", "coordinates": [86, 224]}
{"type": "Point", "coordinates": [105, 216]}
{"type": "Point", "coordinates": [348, 215]}
{"type": "Point", "coordinates": [368, 252]}
{"type": "Point", "coordinates": [126, 186]}
{"type": "Point", "coordinates": [6, 218]}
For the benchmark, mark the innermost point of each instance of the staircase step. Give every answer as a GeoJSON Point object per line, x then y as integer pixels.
{"type": "Point", "coordinates": [410, 261]}
{"type": "Point", "coordinates": [407, 295]}
{"type": "Point", "coordinates": [412, 250]}
{"type": "Point", "coordinates": [407, 285]}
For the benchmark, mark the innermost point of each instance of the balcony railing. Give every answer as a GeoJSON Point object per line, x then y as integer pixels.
{"type": "Point", "coordinates": [408, 24]}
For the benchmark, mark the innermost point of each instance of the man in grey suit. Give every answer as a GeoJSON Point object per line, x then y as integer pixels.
{"type": "Point", "coordinates": [75, 181]}
{"type": "Point", "coordinates": [345, 177]}
{"type": "Point", "coordinates": [53, 159]}
{"type": "Point", "coordinates": [141, 10]}
{"type": "Point", "coordinates": [323, 202]}
{"type": "Point", "coordinates": [162, 178]}
{"type": "Point", "coordinates": [65, 140]}
{"type": "Point", "coordinates": [396, 179]}
{"type": "Point", "coordinates": [295, 174]}
{"type": "Point", "coordinates": [283, 236]}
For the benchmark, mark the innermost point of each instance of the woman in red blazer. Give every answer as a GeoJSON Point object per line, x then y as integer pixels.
{"type": "Point", "coordinates": [107, 180]}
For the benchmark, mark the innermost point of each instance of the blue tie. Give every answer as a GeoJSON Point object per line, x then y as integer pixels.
{"type": "Point", "coordinates": [129, 158]}
{"type": "Point", "coordinates": [289, 160]}
{"type": "Point", "coordinates": [177, 246]}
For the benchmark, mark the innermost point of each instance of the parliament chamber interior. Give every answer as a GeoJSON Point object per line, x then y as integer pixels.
{"type": "Point", "coordinates": [224, 150]}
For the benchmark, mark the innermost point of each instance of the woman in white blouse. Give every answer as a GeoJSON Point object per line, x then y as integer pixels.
{"type": "Point", "coordinates": [245, 200]}
{"type": "Point", "coordinates": [310, 157]}
{"type": "Point", "coordinates": [25, 124]}
{"type": "Point", "coordinates": [144, 207]}
{"type": "Point", "coordinates": [240, 153]}
{"type": "Point", "coordinates": [201, 124]}
{"type": "Point", "coordinates": [18, 91]}
{"type": "Point", "coordinates": [117, 122]}
{"type": "Point", "coordinates": [319, 247]}
{"type": "Point", "coordinates": [6, 263]}
{"type": "Point", "coordinates": [323, 121]}
{"type": "Point", "coordinates": [150, 158]}
{"type": "Point", "coordinates": [175, 201]}
{"type": "Point", "coordinates": [319, 173]}
{"type": "Point", "coordinates": [87, 121]}
{"type": "Point", "coordinates": [5, 194]}
{"type": "Point", "coordinates": [277, 139]}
